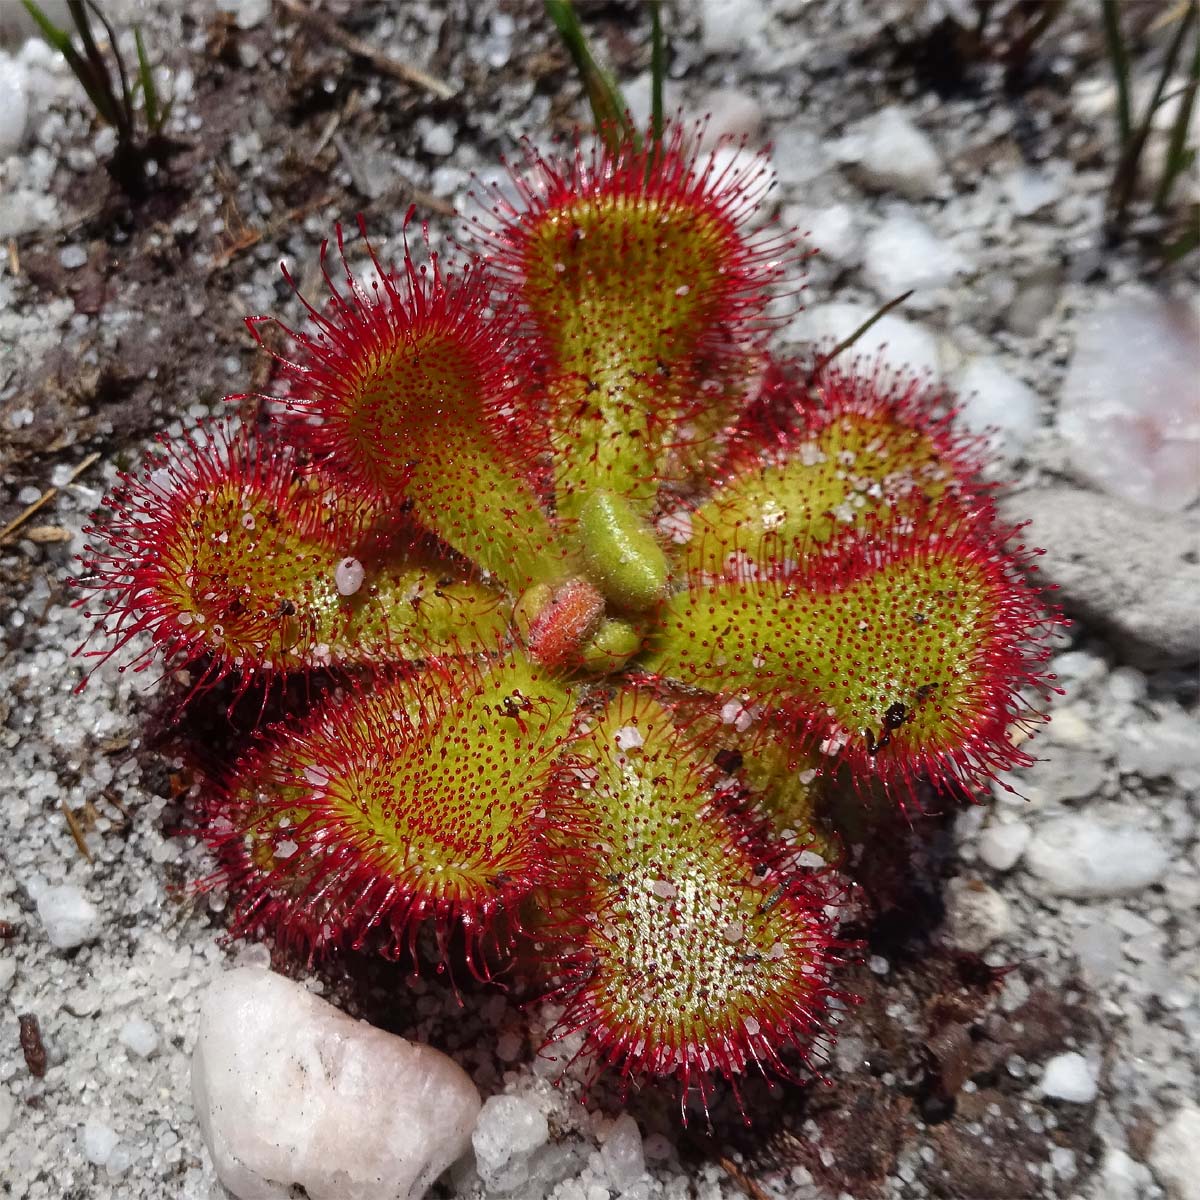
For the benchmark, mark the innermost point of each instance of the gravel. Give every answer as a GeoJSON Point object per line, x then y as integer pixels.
{"type": "Point", "coordinates": [120, 327]}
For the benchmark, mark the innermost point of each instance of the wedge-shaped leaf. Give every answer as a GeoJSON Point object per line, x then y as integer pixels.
{"type": "Point", "coordinates": [410, 400]}
{"type": "Point", "coordinates": [646, 293]}
{"type": "Point", "coordinates": [865, 450]}
{"type": "Point", "coordinates": [224, 549]}
{"type": "Point", "coordinates": [694, 952]}
{"type": "Point", "coordinates": [427, 797]}
{"type": "Point", "coordinates": [902, 656]}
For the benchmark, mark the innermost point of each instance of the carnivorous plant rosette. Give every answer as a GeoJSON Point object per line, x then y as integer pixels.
{"type": "Point", "coordinates": [616, 604]}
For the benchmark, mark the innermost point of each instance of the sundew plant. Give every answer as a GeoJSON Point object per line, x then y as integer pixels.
{"type": "Point", "coordinates": [615, 612]}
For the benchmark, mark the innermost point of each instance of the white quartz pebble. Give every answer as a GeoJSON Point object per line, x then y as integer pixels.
{"type": "Point", "coordinates": [976, 915]}
{"type": "Point", "coordinates": [69, 917]}
{"type": "Point", "coordinates": [508, 1132]}
{"type": "Point", "coordinates": [904, 254]}
{"type": "Point", "coordinates": [97, 1141]}
{"type": "Point", "coordinates": [14, 104]}
{"type": "Point", "coordinates": [994, 402]}
{"type": "Point", "coordinates": [728, 26]}
{"type": "Point", "coordinates": [900, 343]}
{"type": "Point", "coordinates": [622, 1154]}
{"type": "Point", "coordinates": [290, 1091]}
{"type": "Point", "coordinates": [1069, 1077]}
{"type": "Point", "coordinates": [1001, 846]}
{"type": "Point", "coordinates": [1078, 856]}
{"type": "Point", "coordinates": [139, 1037]}
{"type": "Point", "coordinates": [888, 152]}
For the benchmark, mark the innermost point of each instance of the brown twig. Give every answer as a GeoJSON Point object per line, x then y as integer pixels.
{"type": "Point", "coordinates": [32, 1046]}
{"type": "Point", "coordinates": [45, 498]}
{"type": "Point", "coordinates": [76, 830]}
{"type": "Point", "coordinates": [383, 63]}
{"type": "Point", "coordinates": [740, 1177]}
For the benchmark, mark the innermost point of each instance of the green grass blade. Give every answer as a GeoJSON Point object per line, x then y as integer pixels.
{"type": "Point", "coordinates": [608, 105]}
{"type": "Point", "coordinates": [1119, 58]}
{"type": "Point", "coordinates": [1184, 245]}
{"type": "Point", "coordinates": [1179, 158]}
{"type": "Point", "coordinates": [145, 77]}
{"type": "Point", "coordinates": [658, 68]}
{"type": "Point", "coordinates": [124, 105]}
{"type": "Point", "coordinates": [59, 39]}
{"type": "Point", "coordinates": [1128, 167]}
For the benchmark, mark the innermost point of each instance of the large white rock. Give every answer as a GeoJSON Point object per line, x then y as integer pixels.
{"type": "Point", "coordinates": [887, 151]}
{"type": "Point", "coordinates": [1130, 406]}
{"type": "Point", "coordinates": [288, 1090]}
{"type": "Point", "coordinates": [1078, 856]}
{"type": "Point", "coordinates": [1127, 570]}
{"type": "Point", "coordinates": [1175, 1154]}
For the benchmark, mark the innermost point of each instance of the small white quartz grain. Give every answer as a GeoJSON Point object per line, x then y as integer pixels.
{"type": "Point", "coordinates": [349, 576]}
{"type": "Point", "coordinates": [622, 1154]}
{"type": "Point", "coordinates": [438, 139]}
{"type": "Point", "coordinates": [1069, 1077]}
{"type": "Point", "coordinates": [97, 1141]}
{"type": "Point", "coordinates": [246, 13]}
{"type": "Point", "coordinates": [69, 917]}
{"type": "Point", "coordinates": [890, 153]}
{"type": "Point", "coordinates": [72, 257]}
{"type": "Point", "coordinates": [1001, 846]}
{"type": "Point", "coordinates": [629, 737]}
{"type": "Point", "coordinates": [139, 1037]}
{"type": "Point", "coordinates": [507, 1133]}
